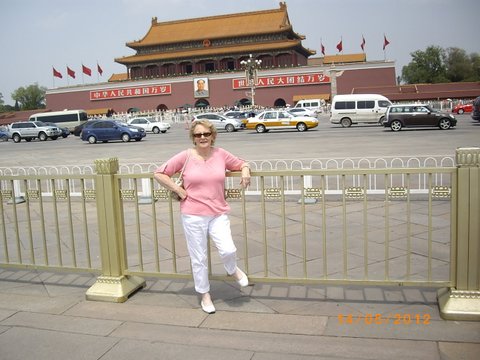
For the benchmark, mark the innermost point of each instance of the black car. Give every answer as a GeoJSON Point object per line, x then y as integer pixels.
{"type": "Point", "coordinates": [476, 109]}
{"type": "Point", "coordinates": [77, 130]}
{"type": "Point", "coordinates": [417, 115]}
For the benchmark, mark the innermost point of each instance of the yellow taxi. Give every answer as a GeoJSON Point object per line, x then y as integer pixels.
{"type": "Point", "coordinates": [279, 120]}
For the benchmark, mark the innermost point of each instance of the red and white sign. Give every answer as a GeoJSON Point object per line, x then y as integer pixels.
{"type": "Point", "coordinates": [164, 89]}
{"type": "Point", "coordinates": [284, 80]}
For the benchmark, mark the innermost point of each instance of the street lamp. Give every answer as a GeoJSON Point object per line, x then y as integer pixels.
{"type": "Point", "coordinates": [251, 65]}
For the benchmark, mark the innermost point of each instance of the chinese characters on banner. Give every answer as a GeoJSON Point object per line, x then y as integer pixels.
{"type": "Point", "coordinates": [239, 83]}
{"type": "Point", "coordinates": [163, 89]}
{"type": "Point", "coordinates": [283, 80]}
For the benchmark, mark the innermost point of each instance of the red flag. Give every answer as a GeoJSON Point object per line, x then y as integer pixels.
{"type": "Point", "coordinates": [86, 70]}
{"type": "Point", "coordinates": [323, 49]}
{"type": "Point", "coordinates": [99, 69]}
{"type": "Point", "coordinates": [340, 46]}
{"type": "Point", "coordinates": [57, 73]}
{"type": "Point", "coordinates": [385, 42]}
{"type": "Point", "coordinates": [70, 72]}
{"type": "Point", "coordinates": [363, 44]}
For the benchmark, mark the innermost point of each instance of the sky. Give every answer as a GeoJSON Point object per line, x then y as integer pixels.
{"type": "Point", "coordinates": [37, 35]}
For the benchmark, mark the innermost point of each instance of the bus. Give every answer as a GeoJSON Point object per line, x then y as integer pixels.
{"type": "Point", "coordinates": [65, 118]}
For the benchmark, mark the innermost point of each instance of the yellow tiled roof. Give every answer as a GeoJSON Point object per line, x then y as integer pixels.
{"type": "Point", "coordinates": [214, 27]}
{"type": "Point", "coordinates": [118, 77]}
{"type": "Point", "coordinates": [227, 50]}
{"type": "Point", "coordinates": [348, 58]}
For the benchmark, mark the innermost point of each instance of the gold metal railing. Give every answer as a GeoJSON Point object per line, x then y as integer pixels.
{"type": "Point", "coordinates": [379, 228]}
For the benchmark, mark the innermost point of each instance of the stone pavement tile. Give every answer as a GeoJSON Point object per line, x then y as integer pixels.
{"type": "Point", "coordinates": [34, 344]}
{"type": "Point", "coordinates": [327, 346]}
{"type": "Point", "coordinates": [6, 313]}
{"type": "Point", "coordinates": [459, 351]}
{"type": "Point", "coordinates": [271, 323]}
{"type": "Point", "coordinates": [136, 349]}
{"type": "Point", "coordinates": [70, 324]}
{"type": "Point", "coordinates": [51, 305]}
{"type": "Point", "coordinates": [3, 329]}
{"type": "Point", "coordinates": [399, 327]}
{"type": "Point", "coordinates": [138, 313]}
{"type": "Point", "coordinates": [271, 356]}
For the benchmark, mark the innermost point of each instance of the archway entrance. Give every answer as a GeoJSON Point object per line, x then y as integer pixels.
{"type": "Point", "coordinates": [202, 103]}
{"type": "Point", "coordinates": [279, 103]}
{"type": "Point", "coordinates": [133, 110]}
{"type": "Point", "coordinates": [162, 107]}
{"type": "Point", "coordinates": [244, 102]}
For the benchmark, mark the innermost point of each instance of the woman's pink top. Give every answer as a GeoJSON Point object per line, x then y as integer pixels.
{"type": "Point", "coordinates": [204, 180]}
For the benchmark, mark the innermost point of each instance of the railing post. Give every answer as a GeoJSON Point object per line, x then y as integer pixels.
{"type": "Point", "coordinates": [463, 301]}
{"type": "Point", "coordinates": [112, 285]}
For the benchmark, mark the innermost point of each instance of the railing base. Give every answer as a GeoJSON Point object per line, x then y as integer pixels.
{"type": "Point", "coordinates": [459, 304]}
{"type": "Point", "coordinates": [114, 288]}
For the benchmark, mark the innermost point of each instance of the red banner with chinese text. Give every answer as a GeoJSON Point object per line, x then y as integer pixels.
{"type": "Point", "coordinates": [283, 80]}
{"type": "Point", "coordinates": [153, 90]}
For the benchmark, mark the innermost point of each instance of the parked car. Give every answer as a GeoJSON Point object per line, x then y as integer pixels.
{"type": "Point", "coordinates": [476, 109]}
{"type": "Point", "coordinates": [302, 112]}
{"type": "Point", "coordinates": [107, 130]}
{"type": "Point", "coordinates": [64, 130]}
{"type": "Point", "coordinates": [77, 130]}
{"type": "Point", "coordinates": [462, 108]}
{"type": "Point", "coordinates": [4, 134]}
{"type": "Point", "coordinates": [240, 115]}
{"type": "Point", "coordinates": [235, 114]}
{"type": "Point", "coordinates": [221, 122]}
{"type": "Point", "coordinates": [279, 119]}
{"type": "Point", "coordinates": [30, 130]}
{"type": "Point", "coordinates": [417, 115]}
{"type": "Point", "coordinates": [150, 124]}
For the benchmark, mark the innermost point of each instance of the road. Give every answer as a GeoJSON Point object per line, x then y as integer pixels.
{"type": "Point", "coordinates": [325, 141]}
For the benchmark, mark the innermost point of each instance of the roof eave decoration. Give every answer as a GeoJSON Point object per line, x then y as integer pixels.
{"type": "Point", "coordinates": [206, 52]}
{"type": "Point", "coordinates": [215, 27]}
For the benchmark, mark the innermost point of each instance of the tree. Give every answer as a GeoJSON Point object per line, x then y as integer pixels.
{"type": "Point", "coordinates": [435, 65]}
{"type": "Point", "coordinates": [458, 65]}
{"type": "Point", "coordinates": [426, 66]}
{"type": "Point", "coordinates": [31, 97]}
{"type": "Point", "coordinates": [475, 61]}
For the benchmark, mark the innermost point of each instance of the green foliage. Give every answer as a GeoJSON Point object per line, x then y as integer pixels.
{"type": "Point", "coordinates": [437, 65]}
{"type": "Point", "coordinates": [31, 97]}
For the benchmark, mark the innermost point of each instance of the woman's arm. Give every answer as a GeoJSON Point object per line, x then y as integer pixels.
{"type": "Point", "coordinates": [167, 182]}
{"type": "Point", "coordinates": [245, 169]}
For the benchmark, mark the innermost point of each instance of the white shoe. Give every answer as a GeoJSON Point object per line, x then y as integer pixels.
{"type": "Point", "coordinates": [243, 280]}
{"type": "Point", "coordinates": [209, 309]}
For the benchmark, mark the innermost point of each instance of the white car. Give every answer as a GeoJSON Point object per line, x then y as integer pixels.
{"type": "Point", "coordinates": [302, 112]}
{"type": "Point", "coordinates": [150, 124]}
{"type": "Point", "coordinates": [221, 122]}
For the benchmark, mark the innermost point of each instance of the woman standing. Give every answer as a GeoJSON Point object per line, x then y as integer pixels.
{"type": "Point", "coordinates": [203, 207]}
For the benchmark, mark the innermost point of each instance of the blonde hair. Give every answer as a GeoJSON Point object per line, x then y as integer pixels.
{"type": "Point", "coordinates": [211, 128]}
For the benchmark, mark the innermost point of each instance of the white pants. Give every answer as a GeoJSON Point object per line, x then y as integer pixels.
{"type": "Point", "coordinates": [196, 229]}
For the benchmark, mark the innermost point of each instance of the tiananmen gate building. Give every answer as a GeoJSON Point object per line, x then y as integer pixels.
{"type": "Point", "coordinates": [175, 56]}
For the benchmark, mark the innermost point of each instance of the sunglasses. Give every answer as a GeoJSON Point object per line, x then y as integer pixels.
{"type": "Point", "coordinates": [199, 135]}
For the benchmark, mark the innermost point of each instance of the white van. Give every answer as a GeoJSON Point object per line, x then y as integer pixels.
{"type": "Point", "coordinates": [358, 109]}
{"type": "Point", "coordinates": [311, 104]}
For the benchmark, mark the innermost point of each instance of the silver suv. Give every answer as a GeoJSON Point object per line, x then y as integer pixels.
{"type": "Point", "coordinates": [29, 130]}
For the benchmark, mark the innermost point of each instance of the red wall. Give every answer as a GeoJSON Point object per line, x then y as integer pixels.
{"type": "Point", "coordinates": [220, 88]}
